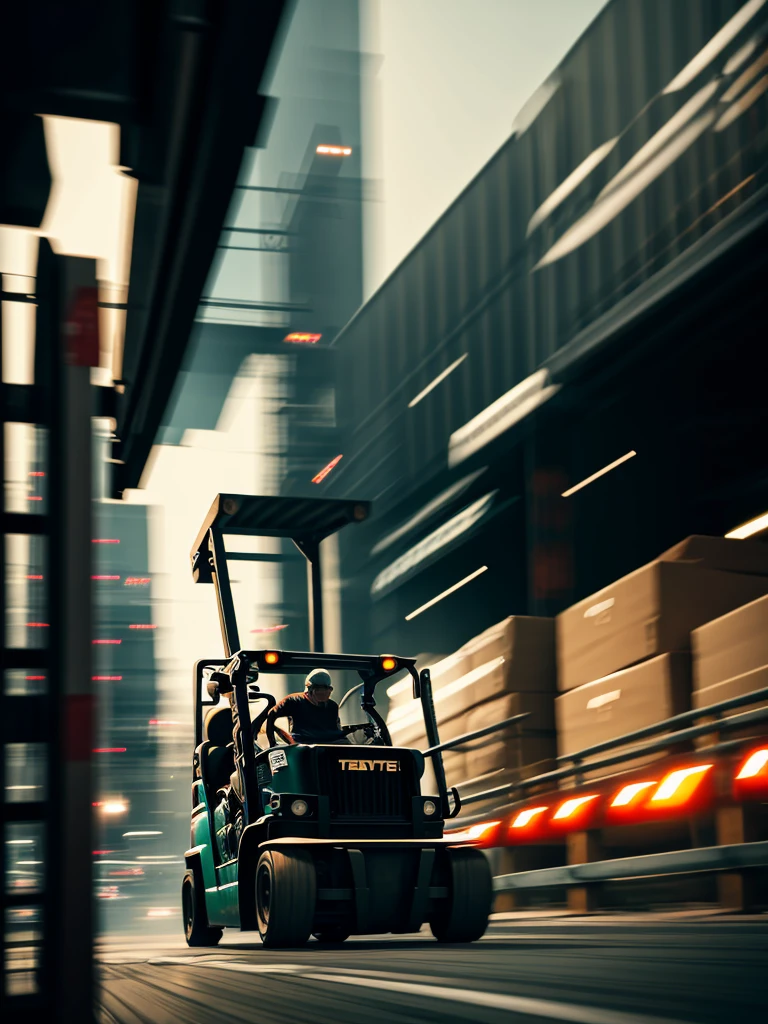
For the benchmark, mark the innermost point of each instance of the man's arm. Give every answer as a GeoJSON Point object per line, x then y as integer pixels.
{"type": "Point", "coordinates": [281, 710]}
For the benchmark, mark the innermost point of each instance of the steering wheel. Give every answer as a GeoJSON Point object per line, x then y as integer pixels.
{"type": "Point", "coordinates": [374, 731]}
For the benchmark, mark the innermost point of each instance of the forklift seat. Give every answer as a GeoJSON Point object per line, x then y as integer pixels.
{"type": "Point", "coordinates": [215, 753]}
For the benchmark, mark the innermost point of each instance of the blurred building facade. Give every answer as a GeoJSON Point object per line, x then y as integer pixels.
{"type": "Point", "coordinates": [570, 308]}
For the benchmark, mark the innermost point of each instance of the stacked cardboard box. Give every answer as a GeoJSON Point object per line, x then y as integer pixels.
{"type": "Point", "coordinates": [641, 620]}
{"type": "Point", "coordinates": [730, 659]}
{"type": "Point", "coordinates": [507, 670]}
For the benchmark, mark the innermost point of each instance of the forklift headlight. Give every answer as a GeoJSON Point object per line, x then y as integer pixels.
{"type": "Point", "coordinates": [429, 808]}
{"type": "Point", "coordinates": [299, 808]}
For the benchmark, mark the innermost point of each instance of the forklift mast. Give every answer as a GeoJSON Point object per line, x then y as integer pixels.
{"type": "Point", "coordinates": [305, 521]}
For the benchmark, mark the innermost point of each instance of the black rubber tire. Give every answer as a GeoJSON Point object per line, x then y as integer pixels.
{"type": "Point", "coordinates": [338, 934]}
{"type": "Point", "coordinates": [463, 917]}
{"type": "Point", "coordinates": [196, 930]}
{"type": "Point", "coordinates": [286, 893]}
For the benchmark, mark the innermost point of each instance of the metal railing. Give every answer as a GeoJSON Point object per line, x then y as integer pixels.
{"type": "Point", "coordinates": [706, 859]}
{"type": "Point", "coordinates": [578, 767]}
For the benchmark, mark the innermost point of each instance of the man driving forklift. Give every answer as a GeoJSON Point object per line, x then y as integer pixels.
{"type": "Point", "coordinates": [313, 717]}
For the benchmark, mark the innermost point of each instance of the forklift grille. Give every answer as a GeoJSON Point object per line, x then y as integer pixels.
{"type": "Point", "coordinates": [364, 793]}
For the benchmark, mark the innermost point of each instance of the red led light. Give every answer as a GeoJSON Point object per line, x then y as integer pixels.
{"type": "Point", "coordinates": [34, 497]}
{"type": "Point", "coordinates": [37, 473]}
{"type": "Point", "coordinates": [142, 625]}
{"type": "Point", "coordinates": [105, 577]}
{"type": "Point", "coordinates": [326, 470]}
{"type": "Point", "coordinates": [38, 625]}
{"type": "Point", "coordinates": [102, 853]}
{"type": "Point", "coordinates": [35, 577]}
{"type": "Point", "coordinates": [106, 641]}
{"type": "Point", "coordinates": [35, 678]}
{"type": "Point", "coordinates": [106, 679]}
{"type": "Point", "coordinates": [136, 581]}
{"type": "Point", "coordinates": [679, 786]}
{"type": "Point", "coordinates": [104, 540]}
{"type": "Point", "coordinates": [109, 750]}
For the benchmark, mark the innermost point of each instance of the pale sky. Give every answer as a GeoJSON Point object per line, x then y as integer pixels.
{"type": "Point", "coordinates": [445, 80]}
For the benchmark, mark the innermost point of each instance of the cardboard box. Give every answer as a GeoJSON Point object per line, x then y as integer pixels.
{"type": "Point", "coordinates": [649, 612]}
{"type": "Point", "coordinates": [527, 645]}
{"type": "Point", "coordinates": [723, 553]}
{"type": "Point", "coordinates": [621, 703]}
{"type": "Point", "coordinates": [731, 645]}
{"type": "Point", "coordinates": [516, 746]}
{"type": "Point", "coordinates": [740, 685]}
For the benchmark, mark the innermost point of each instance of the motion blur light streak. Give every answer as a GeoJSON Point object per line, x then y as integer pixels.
{"type": "Point", "coordinates": [743, 104]}
{"type": "Point", "coordinates": [109, 750]}
{"type": "Point", "coordinates": [749, 528]}
{"type": "Point", "coordinates": [428, 510]}
{"type": "Point", "coordinates": [716, 45]}
{"type": "Point", "coordinates": [526, 817]}
{"type": "Point", "coordinates": [136, 581]}
{"type": "Point", "coordinates": [334, 150]}
{"type": "Point", "coordinates": [679, 786]}
{"type": "Point", "coordinates": [569, 807]}
{"type": "Point", "coordinates": [131, 835]}
{"type": "Point", "coordinates": [433, 542]}
{"type": "Point", "coordinates": [142, 625]}
{"type": "Point", "coordinates": [438, 380]}
{"type": "Point", "coordinates": [572, 182]}
{"type": "Point", "coordinates": [742, 55]}
{"type": "Point", "coordinates": [326, 470]}
{"type": "Point", "coordinates": [500, 415]}
{"type": "Point", "coordinates": [629, 793]}
{"type": "Point", "coordinates": [270, 629]}
{"type": "Point", "coordinates": [105, 577]}
{"type": "Point", "coordinates": [97, 642]}
{"type": "Point", "coordinates": [754, 764]}
{"type": "Point", "coordinates": [445, 593]}
{"type": "Point", "coordinates": [410, 713]}
{"type": "Point", "coordinates": [474, 832]}
{"type": "Point", "coordinates": [660, 139]}
{"type": "Point", "coordinates": [598, 474]}
{"type": "Point", "coordinates": [106, 679]}
{"type": "Point", "coordinates": [606, 210]}
{"type": "Point", "coordinates": [300, 338]}
{"type": "Point", "coordinates": [744, 79]}
{"type": "Point", "coordinates": [113, 806]}
{"type": "Point", "coordinates": [104, 540]}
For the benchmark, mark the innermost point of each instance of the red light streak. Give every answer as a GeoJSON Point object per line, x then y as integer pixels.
{"type": "Point", "coordinates": [102, 853]}
{"type": "Point", "coordinates": [105, 577]}
{"type": "Point", "coordinates": [35, 577]}
{"type": "Point", "coordinates": [109, 750]}
{"type": "Point", "coordinates": [326, 470]}
{"type": "Point", "coordinates": [37, 473]}
{"type": "Point", "coordinates": [142, 625]}
{"type": "Point", "coordinates": [36, 679]}
{"type": "Point", "coordinates": [301, 338]}
{"type": "Point", "coordinates": [106, 641]}
{"type": "Point", "coordinates": [38, 625]}
{"type": "Point", "coordinates": [270, 629]}
{"type": "Point", "coordinates": [104, 540]}
{"type": "Point", "coordinates": [34, 497]}
{"type": "Point", "coordinates": [161, 722]}
{"type": "Point", "coordinates": [106, 679]}
{"type": "Point", "coordinates": [136, 581]}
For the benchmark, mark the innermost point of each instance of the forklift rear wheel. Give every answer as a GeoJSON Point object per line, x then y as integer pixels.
{"type": "Point", "coordinates": [196, 928]}
{"type": "Point", "coordinates": [286, 891]}
{"type": "Point", "coordinates": [339, 934]}
{"type": "Point", "coordinates": [463, 917]}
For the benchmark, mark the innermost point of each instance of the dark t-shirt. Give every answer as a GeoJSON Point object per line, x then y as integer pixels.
{"type": "Point", "coordinates": [310, 723]}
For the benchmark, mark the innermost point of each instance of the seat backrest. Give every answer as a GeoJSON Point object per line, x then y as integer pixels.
{"type": "Point", "coordinates": [216, 759]}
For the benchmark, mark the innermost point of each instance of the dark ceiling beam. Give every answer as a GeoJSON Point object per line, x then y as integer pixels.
{"type": "Point", "coordinates": [215, 113]}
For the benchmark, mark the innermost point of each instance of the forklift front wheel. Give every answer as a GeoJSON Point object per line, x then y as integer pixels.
{"type": "Point", "coordinates": [196, 928]}
{"type": "Point", "coordinates": [463, 917]}
{"type": "Point", "coordinates": [286, 892]}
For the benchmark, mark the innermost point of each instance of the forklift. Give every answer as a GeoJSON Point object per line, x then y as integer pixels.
{"type": "Point", "coordinates": [313, 839]}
